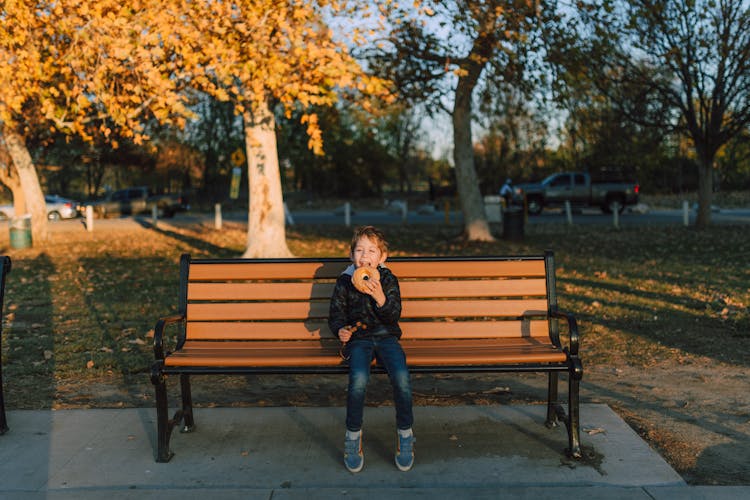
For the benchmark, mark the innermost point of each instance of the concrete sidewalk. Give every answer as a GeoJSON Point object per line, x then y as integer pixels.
{"type": "Point", "coordinates": [467, 452]}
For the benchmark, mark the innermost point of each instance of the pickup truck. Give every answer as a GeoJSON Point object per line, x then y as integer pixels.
{"type": "Point", "coordinates": [137, 200]}
{"type": "Point", "coordinates": [579, 189]}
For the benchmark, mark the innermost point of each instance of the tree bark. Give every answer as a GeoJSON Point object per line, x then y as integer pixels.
{"type": "Point", "coordinates": [476, 227]}
{"type": "Point", "coordinates": [266, 230]}
{"type": "Point", "coordinates": [705, 194]}
{"type": "Point", "coordinates": [9, 177]}
{"type": "Point", "coordinates": [29, 180]}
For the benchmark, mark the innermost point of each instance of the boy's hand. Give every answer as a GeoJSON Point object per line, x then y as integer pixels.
{"type": "Point", "coordinates": [374, 289]}
{"type": "Point", "coordinates": [345, 334]}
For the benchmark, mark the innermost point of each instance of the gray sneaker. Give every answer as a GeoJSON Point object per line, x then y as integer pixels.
{"type": "Point", "coordinates": [405, 452]}
{"type": "Point", "coordinates": [354, 459]}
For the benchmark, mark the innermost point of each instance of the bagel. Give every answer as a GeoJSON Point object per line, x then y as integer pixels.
{"type": "Point", "coordinates": [362, 275]}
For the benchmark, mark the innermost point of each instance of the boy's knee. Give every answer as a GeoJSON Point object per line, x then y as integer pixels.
{"type": "Point", "coordinates": [401, 381]}
{"type": "Point", "coordinates": [358, 381]}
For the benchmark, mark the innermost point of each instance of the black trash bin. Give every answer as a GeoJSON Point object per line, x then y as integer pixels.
{"type": "Point", "coordinates": [513, 220]}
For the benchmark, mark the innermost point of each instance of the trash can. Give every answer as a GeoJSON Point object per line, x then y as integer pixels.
{"type": "Point", "coordinates": [513, 219]}
{"type": "Point", "coordinates": [492, 207]}
{"type": "Point", "coordinates": [20, 231]}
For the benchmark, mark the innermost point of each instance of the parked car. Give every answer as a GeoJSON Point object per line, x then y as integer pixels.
{"type": "Point", "coordinates": [57, 208]}
{"type": "Point", "coordinates": [60, 208]}
{"type": "Point", "coordinates": [137, 200]}
{"type": "Point", "coordinates": [580, 190]}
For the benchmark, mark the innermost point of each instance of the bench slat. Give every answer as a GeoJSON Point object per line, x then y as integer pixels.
{"type": "Point", "coordinates": [315, 354]}
{"type": "Point", "coordinates": [435, 289]}
{"type": "Point", "coordinates": [413, 289]}
{"type": "Point", "coordinates": [260, 291]}
{"type": "Point", "coordinates": [222, 311]}
{"type": "Point", "coordinates": [259, 270]}
{"type": "Point", "coordinates": [307, 330]}
{"type": "Point", "coordinates": [467, 269]}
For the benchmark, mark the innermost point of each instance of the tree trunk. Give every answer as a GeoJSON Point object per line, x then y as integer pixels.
{"type": "Point", "coordinates": [29, 183]}
{"type": "Point", "coordinates": [9, 177]}
{"type": "Point", "coordinates": [266, 231]}
{"type": "Point", "coordinates": [476, 227]}
{"type": "Point", "coordinates": [705, 193]}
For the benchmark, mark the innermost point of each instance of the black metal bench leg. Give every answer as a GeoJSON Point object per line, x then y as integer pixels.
{"type": "Point", "coordinates": [163, 425]}
{"type": "Point", "coordinates": [187, 404]}
{"type": "Point", "coordinates": [574, 434]}
{"type": "Point", "coordinates": [574, 431]}
{"type": "Point", "coordinates": [552, 402]}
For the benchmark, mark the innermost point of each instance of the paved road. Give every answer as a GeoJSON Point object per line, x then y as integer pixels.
{"type": "Point", "coordinates": [384, 217]}
{"type": "Point", "coordinates": [655, 217]}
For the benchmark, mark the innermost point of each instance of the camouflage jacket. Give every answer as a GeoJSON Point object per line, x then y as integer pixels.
{"type": "Point", "coordinates": [349, 306]}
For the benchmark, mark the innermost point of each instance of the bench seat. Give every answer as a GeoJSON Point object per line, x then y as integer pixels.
{"type": "Point", "coordinates": [326, 354]}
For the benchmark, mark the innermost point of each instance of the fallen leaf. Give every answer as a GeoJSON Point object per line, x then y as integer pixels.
{"type": "Point", "coordinates": [497, 390]}
{"type": "Point", "coordinates": [594, 430]}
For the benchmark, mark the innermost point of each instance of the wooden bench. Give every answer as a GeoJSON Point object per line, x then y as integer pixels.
{"type": "Point", "coordinates": [462, 314]}
{"type": "Point", "coordinates": [4, 270]}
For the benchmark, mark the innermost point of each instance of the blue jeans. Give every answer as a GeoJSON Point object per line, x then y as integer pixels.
{"type": "Point", "coordinates": [391, 356]}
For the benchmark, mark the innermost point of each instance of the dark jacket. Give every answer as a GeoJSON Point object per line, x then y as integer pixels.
{"type": "Point", "coordinates": [349, 306]}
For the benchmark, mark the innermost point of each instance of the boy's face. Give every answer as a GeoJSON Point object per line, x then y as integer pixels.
{"type": "Point", "coordinates": [367, 253]}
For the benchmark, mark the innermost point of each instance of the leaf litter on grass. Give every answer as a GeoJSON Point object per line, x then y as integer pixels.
{"type": "Point", "coordinates": [80, 311]}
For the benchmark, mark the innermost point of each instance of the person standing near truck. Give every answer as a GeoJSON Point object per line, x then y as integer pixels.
{"type": "Point", "coordinates": [506, 192]}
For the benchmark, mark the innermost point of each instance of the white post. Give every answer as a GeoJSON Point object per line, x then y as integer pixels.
{"type": "Point", "coordinates": [568, 212]}
{"type": "Point", "coordinates": [217, 216]}
{"type": "Point", "coordinates": [347, 214]}
{"type": "Point", "coordinates": [288, 215]}
{"type": "Point", "coordinates": [89, 218]}
{"type": "Point", "coordinates": [616, 215]}
{"type": "Point", "coordinates": [685, 213]}
{"type": "Point", "coordinates": [404, 210]}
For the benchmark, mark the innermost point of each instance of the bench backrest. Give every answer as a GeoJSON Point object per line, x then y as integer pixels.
{"type": "Point", "coordinates": [288, 299]}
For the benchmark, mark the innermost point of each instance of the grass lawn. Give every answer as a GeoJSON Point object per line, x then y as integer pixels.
{"type": "Point", "coordinates": [81, 309]}
{"type": "Point", "coordinates": [663, 313]}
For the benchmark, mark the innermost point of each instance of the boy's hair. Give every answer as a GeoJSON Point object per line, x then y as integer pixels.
{"type": "Point", "coordinates": [372, 233]}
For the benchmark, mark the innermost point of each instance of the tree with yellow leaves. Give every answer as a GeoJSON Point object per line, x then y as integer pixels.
{"type": "Point", "coordinates": [88, 67]}
{"type": "Point", "coordinates": [262, 55]}
{"type": "Point", "coordinates": [81, 68]}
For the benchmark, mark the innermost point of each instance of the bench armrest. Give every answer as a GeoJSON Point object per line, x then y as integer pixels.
{"type": "Point", "coordinates": [159, 333]}
{"type": "Point", "coordinates": [572, 329]}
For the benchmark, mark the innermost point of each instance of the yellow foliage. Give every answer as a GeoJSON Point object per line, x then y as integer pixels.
{"type": "Point", "coordinates": [253, 51]}
{"type": "Point", "coordinates": [75, 62]}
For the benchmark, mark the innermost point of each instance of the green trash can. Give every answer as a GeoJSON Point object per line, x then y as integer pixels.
{"type": "Point", "coordinates": [20, 231]}
{"type": "Point", "coordinates": [513, 221]}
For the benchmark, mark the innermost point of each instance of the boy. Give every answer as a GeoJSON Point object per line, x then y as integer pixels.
{"type": "Point", "coordinates": [367, 323]}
